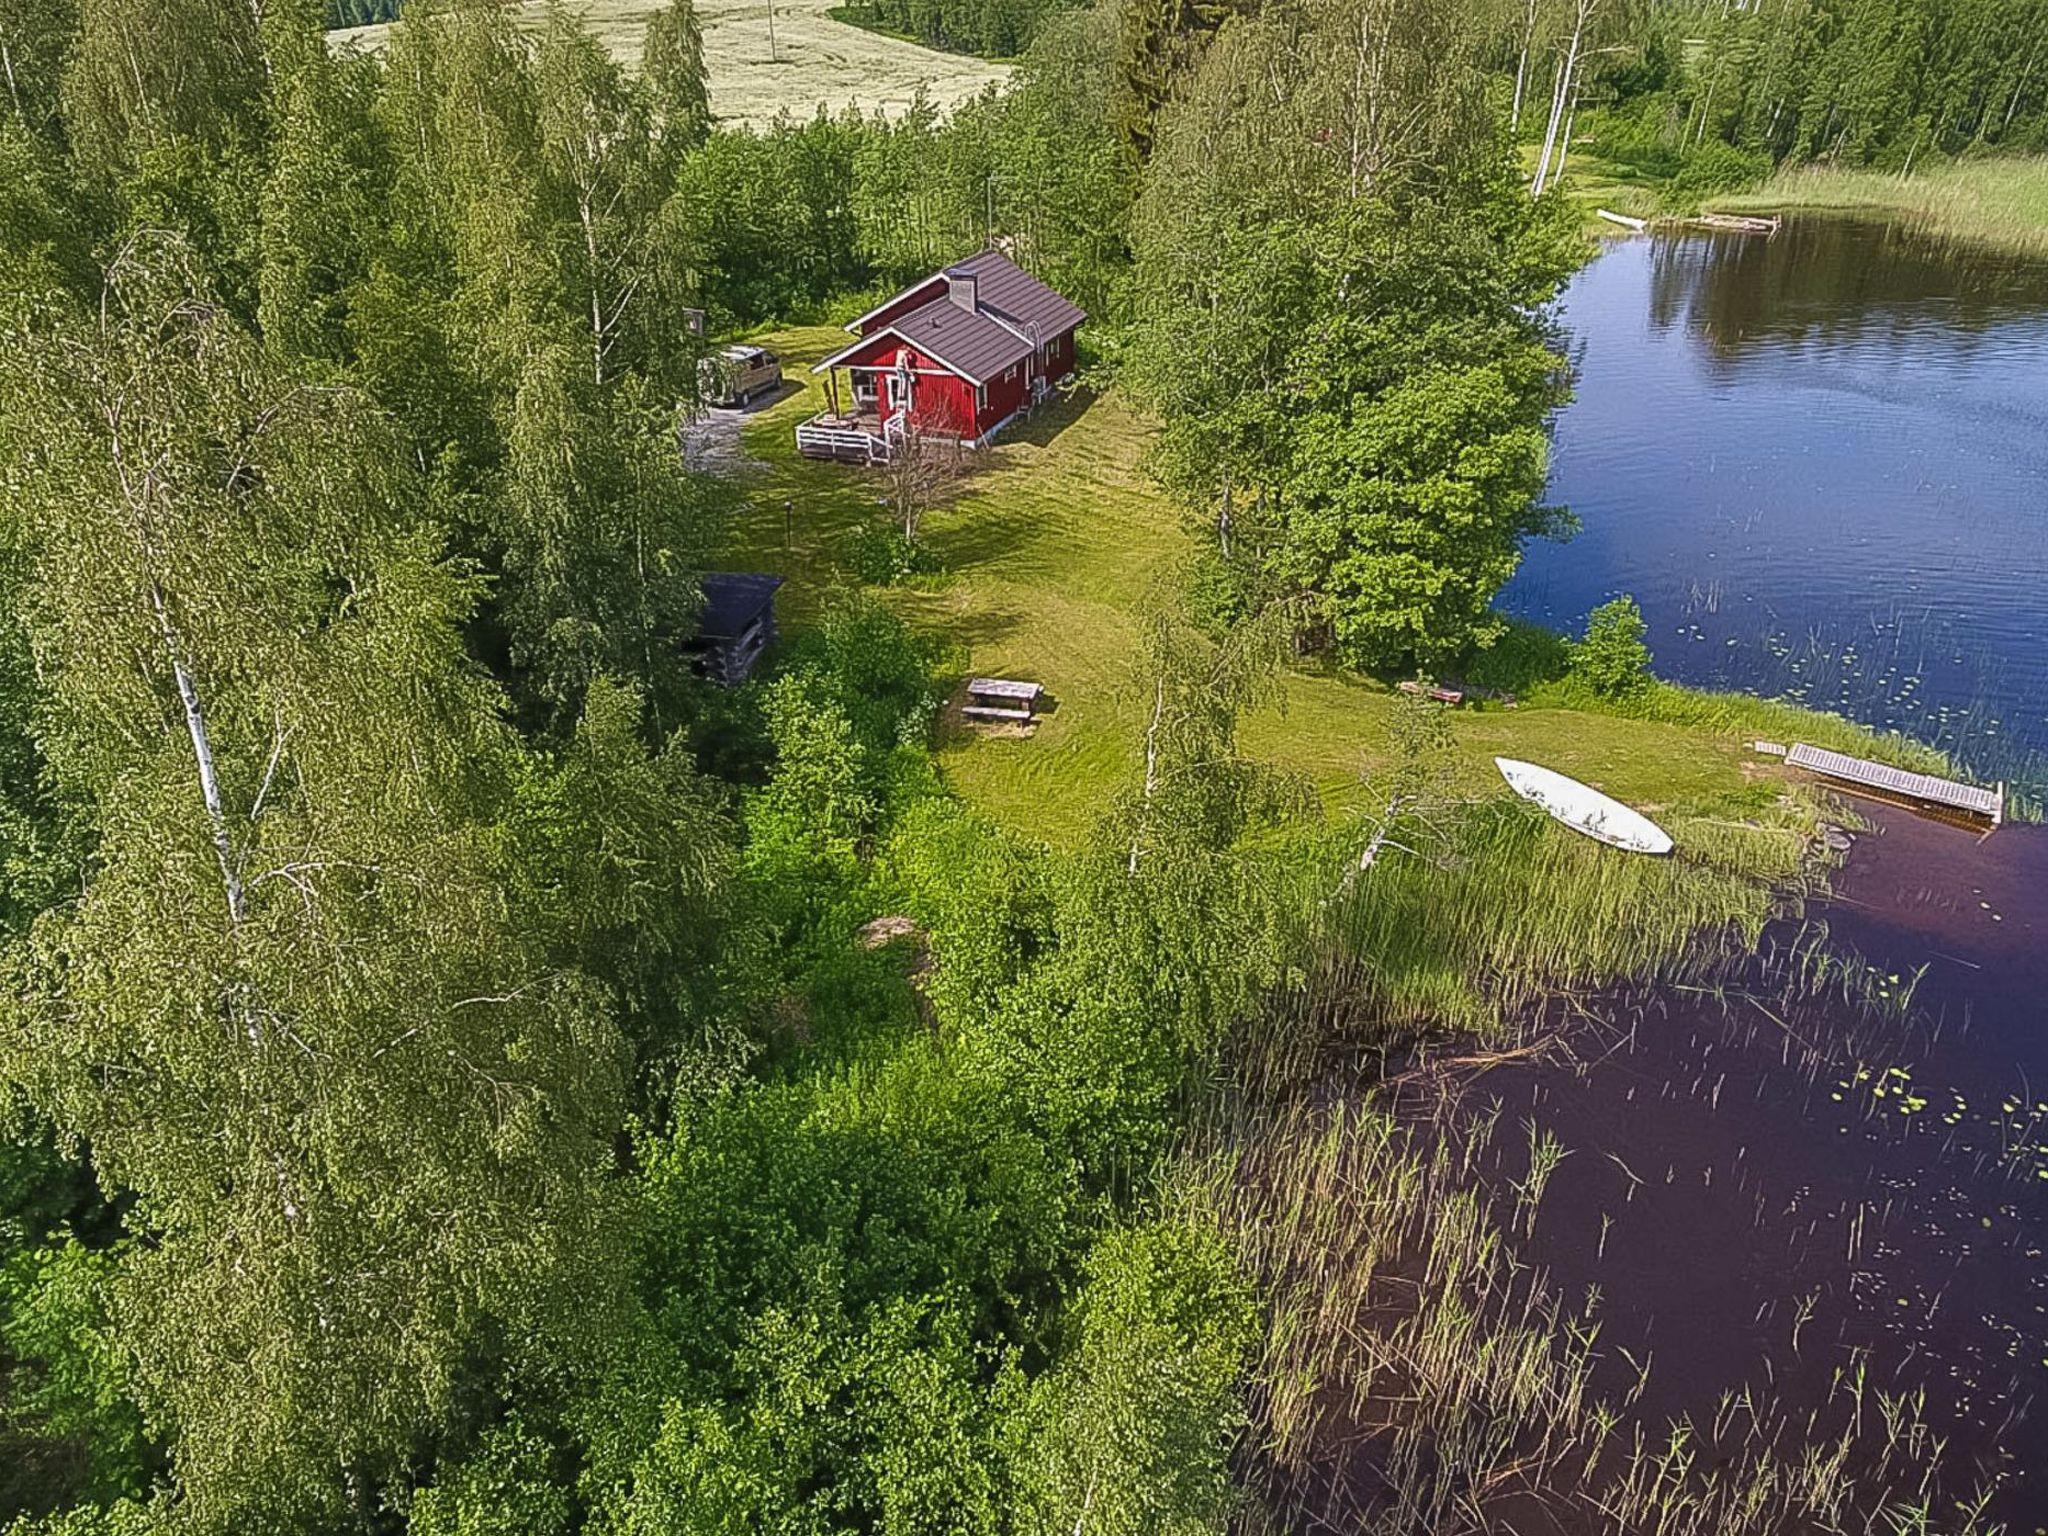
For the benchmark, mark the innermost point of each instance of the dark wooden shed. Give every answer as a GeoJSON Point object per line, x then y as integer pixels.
{"type": "Point", "coordinates": [737, 625]}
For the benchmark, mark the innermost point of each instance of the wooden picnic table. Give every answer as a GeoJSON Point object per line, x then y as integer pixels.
{"type": "Point", "coordinates": [1001, 698]}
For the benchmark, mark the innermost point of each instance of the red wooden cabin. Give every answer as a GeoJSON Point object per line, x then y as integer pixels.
{"type": "Point", "coordinates": [954, 356]}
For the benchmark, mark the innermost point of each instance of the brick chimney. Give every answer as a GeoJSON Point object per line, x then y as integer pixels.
{"type": "Point", "coordinates": [960, 288]}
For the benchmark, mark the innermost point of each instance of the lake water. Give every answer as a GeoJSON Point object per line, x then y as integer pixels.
{"type": "Point", "coordinates": [1820, 463]}
{"type": "Point", "coordinates": [1782, 1198]}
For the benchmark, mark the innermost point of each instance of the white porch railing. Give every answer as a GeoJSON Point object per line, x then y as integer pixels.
{"type": "Point", "coordinates": [826, 436]}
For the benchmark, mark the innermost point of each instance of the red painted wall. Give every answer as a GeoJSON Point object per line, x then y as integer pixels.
{"type": "Point", "coordinates": [1003, 394]}
{"type": "Point", "coordinates": [1059, 357]}
{"type": "Point", "coordinates": [941, 402]}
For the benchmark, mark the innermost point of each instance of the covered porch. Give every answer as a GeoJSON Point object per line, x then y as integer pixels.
{"type": "Point", "coordinates": [857, 426]}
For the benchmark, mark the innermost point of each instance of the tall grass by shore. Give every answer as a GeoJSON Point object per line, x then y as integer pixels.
{"type": "Point", "coordinates": [1417, 1372]}
{"type": "Point", "coordinates": [2001, 202]}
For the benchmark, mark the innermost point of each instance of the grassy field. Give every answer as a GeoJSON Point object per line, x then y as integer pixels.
{"type": "Point", "coordinates": [1049, 552]}
{"type": "Point", "coordinates": [2002, 202]}
{"type": "Point", "coordinates": [816, 60]}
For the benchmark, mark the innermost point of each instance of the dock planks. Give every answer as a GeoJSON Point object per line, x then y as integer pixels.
{"type": "Point", "coordinates": [1880, 779]}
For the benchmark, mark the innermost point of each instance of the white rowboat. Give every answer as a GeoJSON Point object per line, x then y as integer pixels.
{"type": "Point", "coordinates": [1584, 809]}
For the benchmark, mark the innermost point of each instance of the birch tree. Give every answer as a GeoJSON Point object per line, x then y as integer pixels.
{"type": "Point", "coordinates": [672, 64]}
{"type": "Point", "coordinates": [622, 257]}
{"type": "Point", "coordinates": [362, 1119]}
{"type": "Point", "coordinates": [1525, 45]}
{"type": "Point", "coordinates": [1565, 88]}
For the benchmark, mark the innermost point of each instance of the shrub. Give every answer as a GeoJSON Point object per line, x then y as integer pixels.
{"type": "Point", "coordinates": [1613, 660]}
{"type": "Point", "coordinates": [882, 557]}
{"type": "Point", "coordinates": [1717, 167]}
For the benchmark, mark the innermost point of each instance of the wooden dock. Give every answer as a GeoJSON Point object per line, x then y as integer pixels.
{"type": "Point", "coordinates": [1918, 791]}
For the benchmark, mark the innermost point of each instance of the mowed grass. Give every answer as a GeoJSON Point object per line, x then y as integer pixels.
{"type": "Point", "coordinates": [1593, 183]}
{"type": "Point", "coordinates": [2001, 202]}
{"type": "Point", "coordinates": [815, 61]}
{"type": "Point", "coordinates": [1049, 554]}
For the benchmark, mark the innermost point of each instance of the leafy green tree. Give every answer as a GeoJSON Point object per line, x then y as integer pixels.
{"type": "Point", "coordinates": [363, 1120]}
{"type": "Point", "coordinates": [1133, 1432]}
{"type": "Point", "coordinates": [1409, 510]}
{"type": "Point", "coordinates": [68, 1376]}
{"type": "Point", "coordinates": [601, 534]}
{"type": "Point", "coordinates": [194, 76]}
{"type": "Point", "coordinates": [1335, 295]}
{"type": "Point", "coordinates": [34, 36]}
{"type": "Point", "coordinates": [511, 1486]}
{"type": "Point", "coordinates": [626, 261]}
{"type": "Point", "coordinates": [328, 173]}
{"type": "Point", "coordinates": [622, 856]}
{"type": "Point", "coordinates": [1613, 660]}
{"type": "Point", "coordinates": [672, 63]}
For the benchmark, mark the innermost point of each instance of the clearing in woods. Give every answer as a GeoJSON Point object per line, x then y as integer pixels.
{"type": "Point", "coordinates": [816, 61]}
{"type": "Point", "coordinates": [1049, 554]}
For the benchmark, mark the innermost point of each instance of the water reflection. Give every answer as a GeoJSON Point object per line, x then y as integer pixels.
{"type": "Point", "coordinates": [1835, 281]}
{"type": "Point", "coordinates": [1820, 462]}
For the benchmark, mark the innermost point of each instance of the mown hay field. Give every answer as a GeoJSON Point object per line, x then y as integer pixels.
{"type": "Point", "coordinates": [815, 61]}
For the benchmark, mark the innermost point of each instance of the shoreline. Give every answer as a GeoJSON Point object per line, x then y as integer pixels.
{"type": "Point", "coordinates": [2000, 203]}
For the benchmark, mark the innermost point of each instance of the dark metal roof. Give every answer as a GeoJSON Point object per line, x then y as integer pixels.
{"type": "Point", "coordinates": [1010, 293]}
{"type": "Point", "coordinates": [733, 600]}
{"type": "Point", "coordinates": [972, 344]}
{"type": "Point", "coordinates": [1013, 313]}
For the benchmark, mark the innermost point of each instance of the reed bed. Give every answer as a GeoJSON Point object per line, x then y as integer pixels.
{"type": "Point", "coordinates": [1415, 1375]}
{"type": "Point", "coordinates": [2000, 201]}
{"type": "Point", "coordinates": [1474, 921]}
{"type": "Point", "coordinates": [1415, 1372]}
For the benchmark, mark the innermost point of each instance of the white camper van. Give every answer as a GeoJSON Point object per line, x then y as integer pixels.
{"type": "Point", "coordinates": [739, 375]}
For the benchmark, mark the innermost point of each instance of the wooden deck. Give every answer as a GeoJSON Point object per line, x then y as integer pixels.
{"type": "Point", "coordinates": [1919, 790]}
{"type": "Point", "coordinates": [854, 438]}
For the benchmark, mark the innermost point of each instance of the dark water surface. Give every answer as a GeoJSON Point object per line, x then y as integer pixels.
{"type": "Point", "coordinates": [1820, 463]}
{"type": "Point", "coordinates": [1754, 1223]}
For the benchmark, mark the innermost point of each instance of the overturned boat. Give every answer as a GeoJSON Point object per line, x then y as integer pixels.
{"type": "Point", "coordinates": [1583, 808]}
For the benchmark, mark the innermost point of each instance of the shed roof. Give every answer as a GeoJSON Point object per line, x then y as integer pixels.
{"type": "Point", "coordinates": [733, 600]}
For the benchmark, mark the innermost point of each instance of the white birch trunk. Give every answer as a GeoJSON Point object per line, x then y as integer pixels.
{"type": "Point", "coordinates": [1151, 764]}
{"type": "Point", "coordinates": [202, 752]}
{"type": "Point", "coordinates": [1550, 129]}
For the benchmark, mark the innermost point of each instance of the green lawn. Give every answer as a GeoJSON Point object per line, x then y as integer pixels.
{"type": "Point", "coordinates": [1593, 183]}
{"type": "Point", "coordinates": [1048, 553]}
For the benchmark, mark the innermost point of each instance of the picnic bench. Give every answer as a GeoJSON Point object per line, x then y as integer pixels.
{"type": "Point", "coordinates": [1432, 691]}
{"type": "Point", "coordinates": [1000, 698]}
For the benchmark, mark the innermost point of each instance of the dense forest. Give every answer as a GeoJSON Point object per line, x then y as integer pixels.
{"type": "Point", "coordinates": [995, 29]}
{"type": "Point", "coordinates": [454, 1078]}
{"type": "Point", "coordinates": [1716, 95]}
